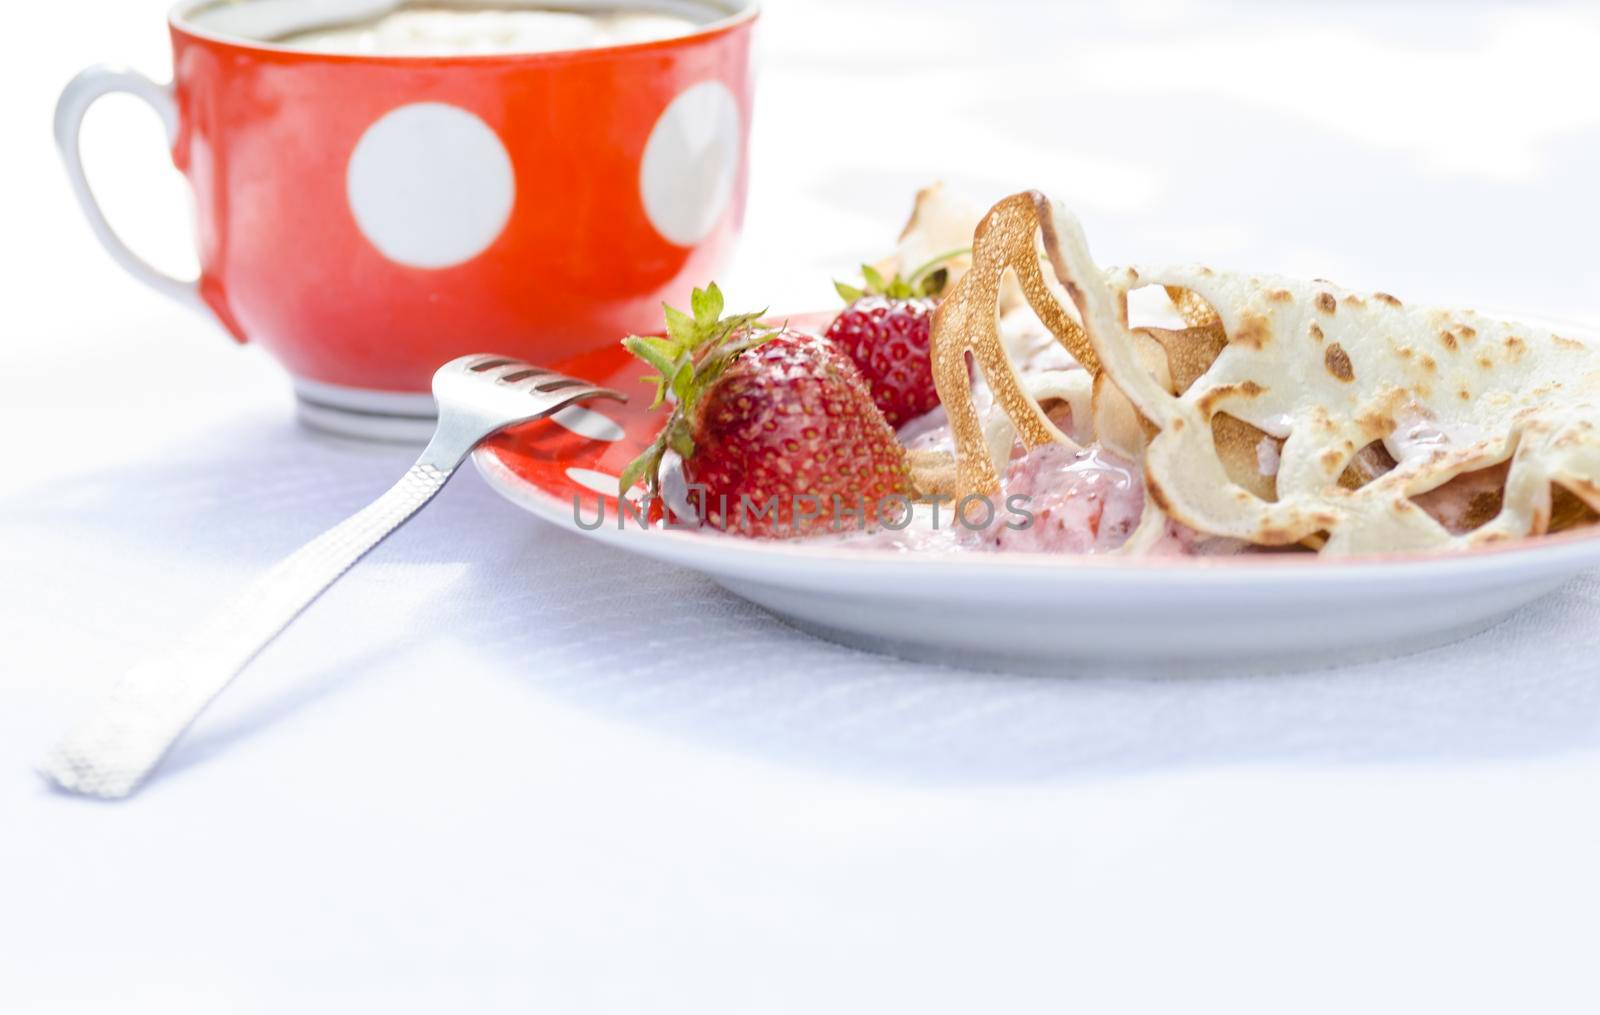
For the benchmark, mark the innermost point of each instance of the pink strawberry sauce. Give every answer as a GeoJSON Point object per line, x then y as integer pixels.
{"type": "Point", "coordinates": [1079, 501]}
{"type": "Point", "coordinates": [1053, 499]}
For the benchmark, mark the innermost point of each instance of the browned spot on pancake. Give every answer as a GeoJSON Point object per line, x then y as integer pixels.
{"type": "Point", "coordinates": [1540, 521]}
{"type": "Point", "coordinates": [1378, 421]}
{"type": "Point", "coordinates": [1133, 274]}
{"type": "Point", "coordinates": [1238, 446]}
{"type": "Point", "coordinates": [1206, 271]}
{"type": "Point", "coordinates": [1449, 339]}
{"type": "Point", "coordinates": [1386, 298]}
{"type": "Point", "coordinates": [964, 330]}
{"type": "Point", "coordinates": [1376, 424]}
{"type": "Point", "coordinates": [1464, 395]}
{"type": "Point", "coordinates": [1190, 351]}
{"type": "Point", "coordinates": [933, 473]}
{"type": "Point", "coordinates": [1316, 331]}
{"type": "Point", "coordinates": [1216, 396]}
{"type": "Point", "coordinates": [1567, 343]}
{"type": "Point", "coordinates": [1177, 424]}
{"type": "Point", "coordinates": [1158, 496]}
{"type": "Point", "coordinates": [1354, 301]}
{"type": "Point", "coordinates": [1515, 347]}
{"type": "Point", "coordinates": [1405, 352]}
{"type": "Point", "coordinates": [1254, 331]}
{"type": "Point", "coordinates": [1486, 362]}
{"type": "Point", "coordinates": [1366, 465]}
{"type": "Point", "coordinates": [1332, 459]}
{"type": "Point", "coordinates": [1326, 303]}
{"type": "Point", "coordinates": [1469, 500]}
{"type": "Point", "coordinates": [1280, 296]}
{"type": "Point", "coordinates": [1428, 363]}
{"type": "Point", "coordinates": [1196, 312]}
{"type": "Point", "coordinates": [1272, 535]}
{"type": "Point", "coordinates": [1585, 486]}
{"type": "Point", "coordinates": [1467, 333]}
{"type": "Point", "coordinates": [1338, 363]}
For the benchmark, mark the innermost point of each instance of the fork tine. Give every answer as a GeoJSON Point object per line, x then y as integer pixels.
{"type": "Point", "coordinates": [543, 382]}
{"type": "Point", "coordinates": [556, 382]}
{"type": "Point", "coordinates": [483, 364]}
{"type": "Point", "coordinates": [571, 396]}
{"type": "Point", "coordinates": [553, 391]}
{"type": "Point", "coordinates": [516, 373]}
{"type": "Point", "coordinates": [515, 367]}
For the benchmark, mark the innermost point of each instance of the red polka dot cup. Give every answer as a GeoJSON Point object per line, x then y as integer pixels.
{"type": "Point", "coordinates": [369, 217]}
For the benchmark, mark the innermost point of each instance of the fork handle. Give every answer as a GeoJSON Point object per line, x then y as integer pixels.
{"type": "Point", "coordinates": [147, 710]}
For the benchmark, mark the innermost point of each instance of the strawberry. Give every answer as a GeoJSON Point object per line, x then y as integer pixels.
{"type": "Point", "coordinates": [884, 328]}
{"type": "Point", "coordinates": [888, 340]}
{"type": "Point", "coordinates": [775, 426]}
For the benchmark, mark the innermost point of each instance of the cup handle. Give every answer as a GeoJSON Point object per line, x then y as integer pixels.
{"type": "Point", "coordinates": [81, 93]}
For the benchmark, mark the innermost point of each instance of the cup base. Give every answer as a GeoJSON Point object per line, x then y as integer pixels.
{"type": "Point", "coordinates": [389, 416]}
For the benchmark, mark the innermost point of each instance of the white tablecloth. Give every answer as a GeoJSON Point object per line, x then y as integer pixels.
{"type": "Point", "coordinates": [468, 780]}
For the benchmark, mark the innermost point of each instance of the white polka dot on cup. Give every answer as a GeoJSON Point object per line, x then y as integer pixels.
{"type": "Point", "coordinates": [430, 185]}
{"type": "Point", "coordinates": [690, 162]}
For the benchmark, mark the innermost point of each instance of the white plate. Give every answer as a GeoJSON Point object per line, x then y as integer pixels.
{"type": "Point", "coordinates": [1045, 612]}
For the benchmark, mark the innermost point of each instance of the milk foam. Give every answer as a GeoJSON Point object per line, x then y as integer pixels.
{"type": "Point", "coordinates": [448, 32]}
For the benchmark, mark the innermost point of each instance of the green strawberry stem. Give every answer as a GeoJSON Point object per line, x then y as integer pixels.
{"type": "Point", "coordinates": [927, 280]}
{"type": "Point", "coordinates": [696, 350]}
{"type": "Point", "coordinates": [935, 262]}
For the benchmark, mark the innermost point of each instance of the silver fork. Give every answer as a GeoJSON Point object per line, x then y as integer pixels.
{"type": "Point", "coordinates": [122, 741]}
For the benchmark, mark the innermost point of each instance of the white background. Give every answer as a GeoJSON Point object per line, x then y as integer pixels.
{"type": "Point", "coordinates": [499, 769]}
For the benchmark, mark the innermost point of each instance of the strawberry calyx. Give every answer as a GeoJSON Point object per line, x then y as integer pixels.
{"type": "Point", "coordinates": [927, 281]}
{"type": "Point", "coordinates": [696, 350]}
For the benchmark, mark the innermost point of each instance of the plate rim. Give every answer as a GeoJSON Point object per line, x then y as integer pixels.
{"type": "Point", "coordinates": [1568, 551]}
